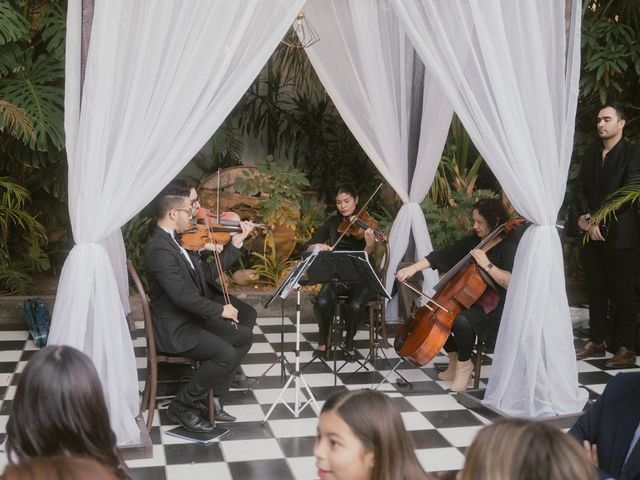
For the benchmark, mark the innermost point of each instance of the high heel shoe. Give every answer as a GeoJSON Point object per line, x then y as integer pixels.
{"type": "Point", "coordinates": [320, 353]}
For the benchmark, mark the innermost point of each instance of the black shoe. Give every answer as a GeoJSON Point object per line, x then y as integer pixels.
{"type": "Point", "coordinates": [189, 420]}
{"type": "Point", "coordinates": [320, 353]}
{"type": "Point", "coordinates": [242, 382]}
{"type": "Point", "coordinates": [349, 357]}
{"type": "Point", "coordinates": [222, 416]}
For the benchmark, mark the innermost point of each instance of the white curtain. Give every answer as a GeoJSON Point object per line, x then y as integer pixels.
{"type": "Point", "coordinates": [365, 61]}
{"type": "Point", "coordinates": [511, 72]}
{"type": "Point", "coordinates": [161, 75]}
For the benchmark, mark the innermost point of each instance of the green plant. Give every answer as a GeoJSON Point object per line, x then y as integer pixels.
{"type": "Point", "coordinates": [312, 216]}
{"type": "Point", "coordinates": [270, 267]}
{"type": "Point", "coordinates": [135, 234]}
{"type": "Point", "coordinates": [279, 187]}
{"type": "Point", "coordinates": [448, 224]}
{"type": "Point", "coordinates": [21, 239]}
{"type": "Point", "coordinates": [459, 166]}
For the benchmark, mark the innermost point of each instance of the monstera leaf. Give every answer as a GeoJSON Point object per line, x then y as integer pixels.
{"type": "Point", "coordinates": [53, 23]}
{"type": "Point", "coordinates": [36, 87]}
{"type": "Point", "coordinates": [13, 25]}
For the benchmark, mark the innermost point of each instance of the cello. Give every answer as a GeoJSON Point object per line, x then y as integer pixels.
{"type": "Point", "coordinates": [423, 335]}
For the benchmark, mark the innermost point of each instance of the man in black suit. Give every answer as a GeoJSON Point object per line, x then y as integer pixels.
{"type": "Point", "coordinates": [188, 320]}
{"type": "Point", "coordinates": [229, 254]}
{"type": "Point", "coordinates": [610, 257]}
{"type": "Point", "coordinates": [610, 429]}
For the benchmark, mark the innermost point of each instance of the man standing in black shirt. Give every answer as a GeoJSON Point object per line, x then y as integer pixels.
{"type": "Point", "coordinates": [610, 257]}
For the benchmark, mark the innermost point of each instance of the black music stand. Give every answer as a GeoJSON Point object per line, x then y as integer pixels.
{"type": "Point", "coordinates": [293, 281]}
{"type": "Point", "coordinates": [349, 268]}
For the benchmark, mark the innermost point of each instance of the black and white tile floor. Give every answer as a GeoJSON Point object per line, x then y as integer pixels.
{"type": "Point", "coordinates": [282, 448]}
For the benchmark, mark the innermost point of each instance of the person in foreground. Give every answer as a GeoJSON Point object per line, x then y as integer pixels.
{"type": "Point", "coordinates": [496, 261]}
{"type": "Point", "coordinates": [59, 409]}
{"type": "Point", "coordinates": [610, 257]}
{"type": "Point", "coordinates": [525, 450]}
{"type": "Point", "coordinates": [610, 429]}
{"type": "Point", "coordinates": [188, 320]}
{"type": "Point", "coordinates": [58, 468]}
{"type": "Point", "coordinates": [361, 437]}
{"type": "Point", "coordinates": [325, 303]}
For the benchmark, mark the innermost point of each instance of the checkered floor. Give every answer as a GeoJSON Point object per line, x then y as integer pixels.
{"type": "Point", "coordinates": [282, 448]}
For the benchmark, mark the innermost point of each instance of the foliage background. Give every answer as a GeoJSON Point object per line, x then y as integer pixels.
{"type": "Point", "coordinates": [285, 108]}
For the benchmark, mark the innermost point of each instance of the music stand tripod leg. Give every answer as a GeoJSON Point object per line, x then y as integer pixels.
{"type": "Point", "coordinates": [394, 370]}
{"type": "Point", "coordinates": [282, 359]}
{"type": "Point", "coordinates": [297, 376]}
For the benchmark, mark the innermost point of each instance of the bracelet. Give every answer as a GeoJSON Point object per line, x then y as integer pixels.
{"type": "Point", "coordinates": [489, 267]}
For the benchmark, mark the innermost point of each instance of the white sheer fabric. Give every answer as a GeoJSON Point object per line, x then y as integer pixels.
{"type": "Point", "coordinates": [160, 77]}
{"type": "Point", "coordinates": [505, 68]}
{"type": "Point", "coordinates": [365, 62]}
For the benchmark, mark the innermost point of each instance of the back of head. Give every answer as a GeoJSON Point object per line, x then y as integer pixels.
{"type": "Point", "coordinates": [376, 421]}
{"type": "Point", "coordinates": [58, 468]}
{"type": "Point", "coordinates": [171, 196]}
{"type": "Point", "coordinates": [59, 409]}
{"type": "Point", "coordinates": [526, 450]}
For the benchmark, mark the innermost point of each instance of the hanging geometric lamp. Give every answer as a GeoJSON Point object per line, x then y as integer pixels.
{"type": "Point", "coordinates": [304, 35]}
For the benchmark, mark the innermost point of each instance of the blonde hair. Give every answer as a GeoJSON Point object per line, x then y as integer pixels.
{"type": "Point", "coordinates": [526, 450]}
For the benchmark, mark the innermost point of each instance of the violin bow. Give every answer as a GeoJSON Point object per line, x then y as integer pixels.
{"type": "Point", "coordinates": [353, 218]}
{"type": "Point", "coordinates": [424, 295]}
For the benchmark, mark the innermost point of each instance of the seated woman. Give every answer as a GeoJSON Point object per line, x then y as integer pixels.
{"type": "Point", "coordinates": [525, 449]}
{"type": "Point", "coordinates": [59, 409]}
{"type": "Point", "coordinates": [361, 437]}
{"type": "Point", "coordinates": [325, 304]}
{"type": "Point", "coordinates": [497, 261]}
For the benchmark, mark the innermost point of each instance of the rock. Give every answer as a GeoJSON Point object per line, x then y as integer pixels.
{"type": "Point", "coordinates": [244, 277]}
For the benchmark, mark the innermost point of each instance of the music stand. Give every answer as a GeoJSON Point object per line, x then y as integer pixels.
{"type": "Point", "coordinates": [345, 267]}
{"type": "Point", "coordinates": [292, 281]}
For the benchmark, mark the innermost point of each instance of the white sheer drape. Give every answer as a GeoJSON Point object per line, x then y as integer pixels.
{"type": "Point", "coordinates": [512, 82]}
{"type": "Point", "coordinates": [365, 62]}
{"type": "Point", "coordinates": [160, 77]}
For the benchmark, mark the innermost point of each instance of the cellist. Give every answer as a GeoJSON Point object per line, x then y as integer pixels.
{"type": "Point", "coordinates": [483, 318]}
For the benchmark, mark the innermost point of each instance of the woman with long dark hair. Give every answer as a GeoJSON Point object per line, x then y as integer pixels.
{"type": "Point", "coordinates": [357, 295]}
{"type": "Point", "coordinates": [59, 409]}
{"type": "Point", "coordinates": [361, 436]}
{"type": "Point", "coordinates": [481, 320]}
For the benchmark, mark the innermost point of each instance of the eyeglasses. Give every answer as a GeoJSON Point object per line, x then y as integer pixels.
{"type": "Point", "coordinates": [188, 210]}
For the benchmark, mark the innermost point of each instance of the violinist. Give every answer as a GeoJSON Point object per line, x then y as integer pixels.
{"type": "Point", "coordinates": [228, 254]}
{"type": "Point", "coordinates": [188, 318]}
{"type": "Point", "coordinates": [325, 303]}
{"type": "Point", "coordinates": [483, 318]}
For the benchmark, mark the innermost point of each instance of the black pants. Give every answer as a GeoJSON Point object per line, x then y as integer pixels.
{"type": "Point", "coordinates": [247, 315]}
{"type": "Point", "coordinates": [610, 276]}
{"type": "Point", "coordinates": [466, 326]}
{"type": "Point", "coordinates": [352, 312]}
{"type": "Point", "coordinates": [220, 349]}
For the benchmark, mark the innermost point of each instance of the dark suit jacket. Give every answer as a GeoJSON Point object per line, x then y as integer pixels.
{"type": "Point", "coordinates": [597, 181]}
{"type": "Point", "coordinates": [610, 423]}
{"type": "Point", "coordinates": [180, 297]}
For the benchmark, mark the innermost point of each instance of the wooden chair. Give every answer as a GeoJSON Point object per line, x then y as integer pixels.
{"type": "Point", "coordinates": [149, 395]}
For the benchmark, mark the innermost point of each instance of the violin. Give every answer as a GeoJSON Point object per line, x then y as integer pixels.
{"type": "Point", "coordinates": [356, 225]}
{"type": "Point", "coordinates": [228, 219]}
{"type": "Point", "coordinates": [196, 236]}
{"type": "Point", "coordinates": [423, 335]}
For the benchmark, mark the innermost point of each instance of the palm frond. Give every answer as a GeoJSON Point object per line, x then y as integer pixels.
{"type": "Point", "coordinates": [630, 193]}
{"type": "Point", "coordinates": [15, 120]}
